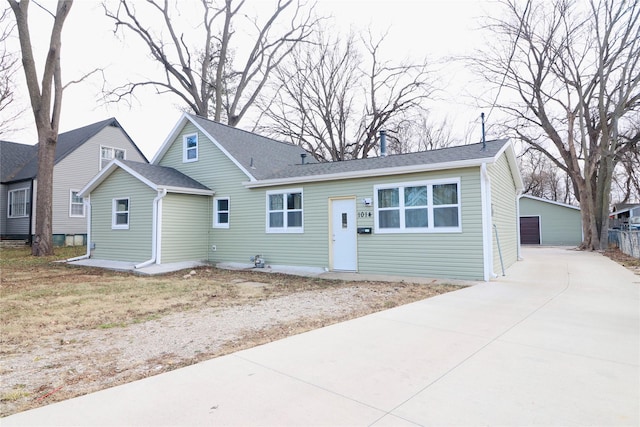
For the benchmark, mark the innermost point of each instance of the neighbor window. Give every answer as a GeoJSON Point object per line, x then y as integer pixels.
{"type": "Point", "coordinates": [284, 211]}
{"type": "Point", "coordinates": [109, 153]}
{"type": "Point", "coordinates": [120, 214]}
{"type": "Point", "coordinates": [18, 203]}
{"type": "Point", "coordinates": [190, 148]}
{"type": "Point", "coordinates": [221, 212]}
{"type": "Point", "coordinates": [427, 206]}
{"type": "Point", "coordinates": [76, 204]}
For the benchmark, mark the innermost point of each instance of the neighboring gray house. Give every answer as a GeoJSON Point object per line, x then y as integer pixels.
{"type": "Point", "coordinates": [622, 212]}
{"type": "Point", "coordinates": [80, 154]}
{"type": "Point", "coordinates": [223, 195]}
{"type": "Point", "coordinates": [545, 222]}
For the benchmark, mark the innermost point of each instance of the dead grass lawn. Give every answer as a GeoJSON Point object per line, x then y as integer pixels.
{"type": "Point", "coordinates": [41, 298]}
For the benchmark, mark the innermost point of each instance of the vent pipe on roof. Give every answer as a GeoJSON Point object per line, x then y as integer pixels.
{"type": "Point", "coordinates": [383, 143]}
{"type": "Point", "coordinates": [302, 157]}
{"type": "Point", "coordinates": [484, 141]}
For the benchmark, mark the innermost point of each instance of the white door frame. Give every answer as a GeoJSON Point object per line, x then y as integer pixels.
{"type": "Point", "coordinates": [332, 264]}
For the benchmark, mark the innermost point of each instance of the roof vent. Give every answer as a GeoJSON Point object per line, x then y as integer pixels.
{"type": "Point", "coordinates": [383, 143]}
{"type": "Point", "coordinates": [303, 156]}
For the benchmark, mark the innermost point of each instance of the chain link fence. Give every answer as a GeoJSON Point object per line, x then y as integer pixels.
{"type": "Point", "coordinates": [627, 241]}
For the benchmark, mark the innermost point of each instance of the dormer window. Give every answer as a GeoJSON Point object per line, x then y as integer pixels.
{"type": "Point", "coordinates": [190, 148]}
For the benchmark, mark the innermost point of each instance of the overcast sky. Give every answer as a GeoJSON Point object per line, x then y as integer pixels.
{"type": "Point", "coordinates": [432, 28]}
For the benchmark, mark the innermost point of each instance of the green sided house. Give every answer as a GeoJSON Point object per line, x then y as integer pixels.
{"type": "Point", "coordinates": [223, 195]}
{"type": "Point", "coordinates": [546, 222]}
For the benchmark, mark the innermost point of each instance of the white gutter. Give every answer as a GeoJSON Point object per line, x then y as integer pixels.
{"type": "Point", "coordinates": [154, 230]}
{"type": "Point", "coordinates": [87, 209]}
{"type": "Point", "coordinates": [367, 173]}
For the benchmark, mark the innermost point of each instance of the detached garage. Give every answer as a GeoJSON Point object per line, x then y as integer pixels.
{"type": "Point", "coordinates": [545, 222]}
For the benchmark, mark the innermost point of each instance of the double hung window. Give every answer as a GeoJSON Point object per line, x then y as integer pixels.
{"type": "Point", "coordinates": [120, 214]}
{"type": "Point", "coordinates": [427, 206]}
{"type": "Point", "coordinates": [221, 210]}
{"type": "Point", "coordinates": [109, 153]}
{"type": "Point", "coordinates": [284, 211]}
{"type": "Point", "coordinates": [190, 148]}
{"type": "Point", "coordinates": [18, 203]}
{"type": "Point", "coordinates": [76, 204]}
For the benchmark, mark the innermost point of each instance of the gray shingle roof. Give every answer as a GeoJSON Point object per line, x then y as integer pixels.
{"type": "Point", "coordinates": [266, 158]}
{"type": "Point", "coordinates": [163, 176]}
{"type": "Point", "coordinates": [432, 157]}
{"type": "Point", "coordinates": [67, 143]}
{"type": "Point", "coordinates": [259, 155]}
{"type": "Point", "coordinates": [13, 157]}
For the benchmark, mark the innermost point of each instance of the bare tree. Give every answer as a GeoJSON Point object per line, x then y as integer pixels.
{"type": "Point", "coordinates": [8, 68]}
{"type": "Point", "coordinates": [626, 177]}
{"type": "Point", "coordinates": [542, 178]}
{"type": "Point", "coordinates": [334, 99]}
{"type": "Point", "coordinates": [569, 75]}
{"type": "Point", "coordinates": [420, 134]}
{"type": "Point", "coordinates": [46, 103]}
{"type": "Point", "coordinates": [206, 77]}
{"type": "Point", "coordinates": [314, 101]}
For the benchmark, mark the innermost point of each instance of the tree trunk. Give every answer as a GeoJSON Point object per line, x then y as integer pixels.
{"type": "Point", "coordinates": [46, 104]}
{"type": "Point", "coordinates": [43, 239]}
{"type": "Point", "coordinates": [605, 173]}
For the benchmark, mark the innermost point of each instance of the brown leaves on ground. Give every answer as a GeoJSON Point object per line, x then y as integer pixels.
{"type": "Point", "coordinates": [623, 259]}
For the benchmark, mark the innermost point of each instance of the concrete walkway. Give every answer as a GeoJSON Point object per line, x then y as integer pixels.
{"type": "Point", "coordinates": [554, 343]}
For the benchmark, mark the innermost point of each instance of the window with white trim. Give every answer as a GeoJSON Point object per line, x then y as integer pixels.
{"type": "Point", "coordinates": [418, 207]}
{"type": "Point", "coordinates": [190, 148]}
{"type": "Point", "coordinates": [120, 214]}
{"type": "Point", "coordinates": [284, 211]}
{"type": "Point", "coordinates": [221, 209]}
{"type": "Point", "coordinates": [18, 203]}
{"type": "Point", "coordinates": [109, 153]}
{"type": "Point", "coordinates": [76, 204]}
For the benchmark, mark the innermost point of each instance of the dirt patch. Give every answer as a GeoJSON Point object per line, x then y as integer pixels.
{"type": "Point", "coordinates": [68, 331]}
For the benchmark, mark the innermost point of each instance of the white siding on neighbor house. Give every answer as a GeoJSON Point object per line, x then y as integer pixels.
{"type": "Point", "coordinates": [132, 244]}
{"type": "Point", "coordinates": [503, 214]}
{"type": "Point", "coordinates": [77, 169]}
{"type": "Point", "coordinates": [185, 221]}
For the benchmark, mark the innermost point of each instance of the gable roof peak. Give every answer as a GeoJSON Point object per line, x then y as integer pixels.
{"type": "Point", "coordinates": [256, 155]}
{"type": "Point", "coordinates": [68, 142]}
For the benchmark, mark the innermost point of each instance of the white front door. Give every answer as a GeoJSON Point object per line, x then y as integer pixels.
{"type": "Point", "coordinates": [343, 235]}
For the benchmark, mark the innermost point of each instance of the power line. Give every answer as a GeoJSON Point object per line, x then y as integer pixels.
{"type": "Point", "coordinates": [513, 51]}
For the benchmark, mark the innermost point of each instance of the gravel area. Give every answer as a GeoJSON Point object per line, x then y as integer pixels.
{"type": "Point", "coordinates": [76, 362]}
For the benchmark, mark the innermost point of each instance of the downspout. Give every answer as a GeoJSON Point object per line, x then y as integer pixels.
{"type": "Point", "coordinates": [487, 240]}
{"type": "Point", "coordinates": [87, 209]}
{"type": "Point", "coordinates": [154, 230]}
{"type": "Point", "coordinates": [518, 254]}
{"type": "Point", "coordinates": [30, 238]}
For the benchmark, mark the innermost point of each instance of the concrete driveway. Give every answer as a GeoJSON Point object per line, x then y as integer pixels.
{"type": "Point", "coordinates": [554, 343]}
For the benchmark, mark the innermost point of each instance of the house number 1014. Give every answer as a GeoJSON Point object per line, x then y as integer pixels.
{"type": "Point", "coordinates": [363, 214]}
